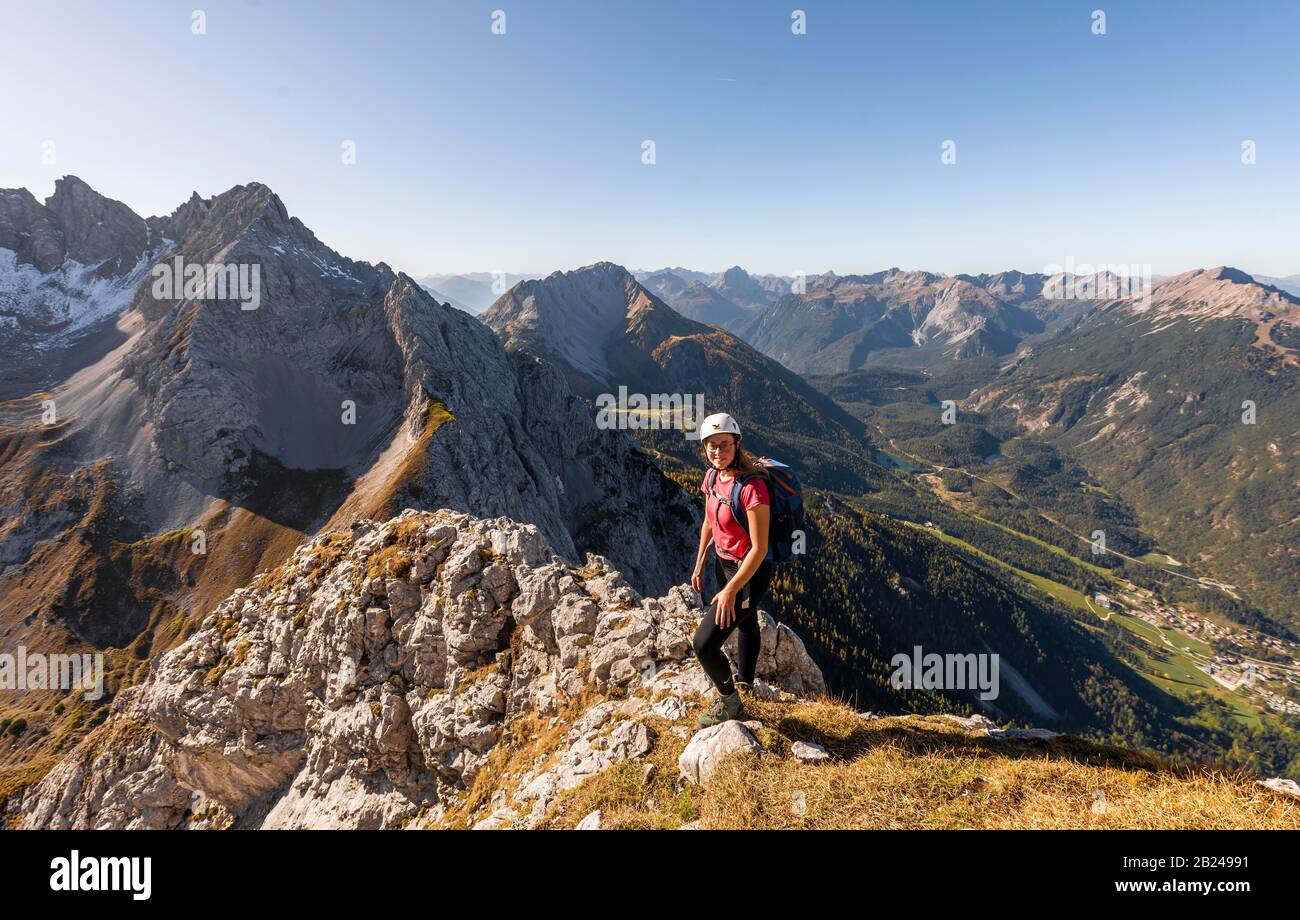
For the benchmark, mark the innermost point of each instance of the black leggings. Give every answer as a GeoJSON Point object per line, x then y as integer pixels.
{"type": "Point", "coordinates": [709, 637]}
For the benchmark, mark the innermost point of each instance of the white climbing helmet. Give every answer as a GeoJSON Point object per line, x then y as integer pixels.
{"type": "Point", "coordinates": [718, 423]}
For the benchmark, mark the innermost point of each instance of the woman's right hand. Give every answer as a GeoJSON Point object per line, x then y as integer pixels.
{"type": "Point", "coordinates": [697, 580]}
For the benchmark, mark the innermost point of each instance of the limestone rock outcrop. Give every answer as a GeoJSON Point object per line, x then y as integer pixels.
{"type": "Point", "coordinates": [365, 683]}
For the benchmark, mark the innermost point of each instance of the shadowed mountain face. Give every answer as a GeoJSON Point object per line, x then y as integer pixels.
{"type": "Point", "coordinates": [608, 332]}
{"type": "Point", "coordinates": [346, 392]}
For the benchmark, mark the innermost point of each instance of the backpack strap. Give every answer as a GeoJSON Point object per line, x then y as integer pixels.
{"type": "Point", "coordinates": [736, 485]}
{"type": "Point", "coordinates": [709, 479]}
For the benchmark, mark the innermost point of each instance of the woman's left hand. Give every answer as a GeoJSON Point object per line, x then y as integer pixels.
{"type": "Point", "coordinates": [724, 610]}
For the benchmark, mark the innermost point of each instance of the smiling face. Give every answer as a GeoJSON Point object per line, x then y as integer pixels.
{"type": "Point", "coordinates": [720, 449]}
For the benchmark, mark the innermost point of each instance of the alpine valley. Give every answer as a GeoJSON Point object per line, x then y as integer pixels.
{"type": "Point", "coordinates": [363, 557]}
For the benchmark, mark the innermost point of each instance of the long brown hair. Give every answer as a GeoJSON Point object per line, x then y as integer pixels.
{"type": "Point", "coordinates": [743, 463]}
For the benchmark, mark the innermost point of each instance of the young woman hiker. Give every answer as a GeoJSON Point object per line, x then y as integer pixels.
{"type": "Point", "coordinates": [740, 563]}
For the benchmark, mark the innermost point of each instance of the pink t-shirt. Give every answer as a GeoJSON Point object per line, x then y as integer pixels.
{"type": "Point", "coordinates": [729, 537]}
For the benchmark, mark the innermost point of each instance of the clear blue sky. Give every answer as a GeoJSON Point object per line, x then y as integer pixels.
{"type": "Point", "coordinates": [522, 152]}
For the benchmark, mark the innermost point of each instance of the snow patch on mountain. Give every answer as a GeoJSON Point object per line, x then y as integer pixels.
{"type": "Point", "coordinates": [65, 301]}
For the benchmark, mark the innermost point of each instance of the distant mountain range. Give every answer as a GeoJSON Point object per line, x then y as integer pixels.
{"type": "Point", "coordinates": [830, 323]}
{"type": "Point", "coordinates": [731, 298]}
{"type": "Point", "coordinates": [728, 299]}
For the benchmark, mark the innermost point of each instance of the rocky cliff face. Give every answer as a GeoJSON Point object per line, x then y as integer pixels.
{"type": "Point", "coordinates": [367, 682]}
{"type": "Point", "coordinates": [440, 670]}
{"type": "Point", "coordinates": [346, 393]}
{"type": "Point", "coordinates": [76, 223]}
{"type": "Point", "coordinates": [220, 383]}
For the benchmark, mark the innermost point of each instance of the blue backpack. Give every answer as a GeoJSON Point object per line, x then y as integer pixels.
{"type": "Point", "coordinates": [787, 522]}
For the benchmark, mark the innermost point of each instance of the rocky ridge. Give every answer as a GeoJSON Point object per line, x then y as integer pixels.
{"type": "Point", "coordinates": [366, 682]}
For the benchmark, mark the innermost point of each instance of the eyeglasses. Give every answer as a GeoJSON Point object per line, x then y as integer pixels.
{"type": "Point", "coordinates": [719, 448]}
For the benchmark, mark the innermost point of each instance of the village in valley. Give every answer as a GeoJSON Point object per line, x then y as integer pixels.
{"type": "Point", "coordinates": [1226, 654]}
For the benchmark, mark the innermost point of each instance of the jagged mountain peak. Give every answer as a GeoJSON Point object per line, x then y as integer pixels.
{"type": "Point", "coordinates": [239, 207]}
{"type": "Point", "coordinates": [72, 187]}
{"type": "Point", "coordinates": [72, 194]}
{"type": "Point", "coordinates": [75, 224]}
{"type": "Point", "coordinates": [66, 267]}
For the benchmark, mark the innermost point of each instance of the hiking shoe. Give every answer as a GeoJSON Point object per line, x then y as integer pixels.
{"type": "Point", "coordinates": [723, 709]}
